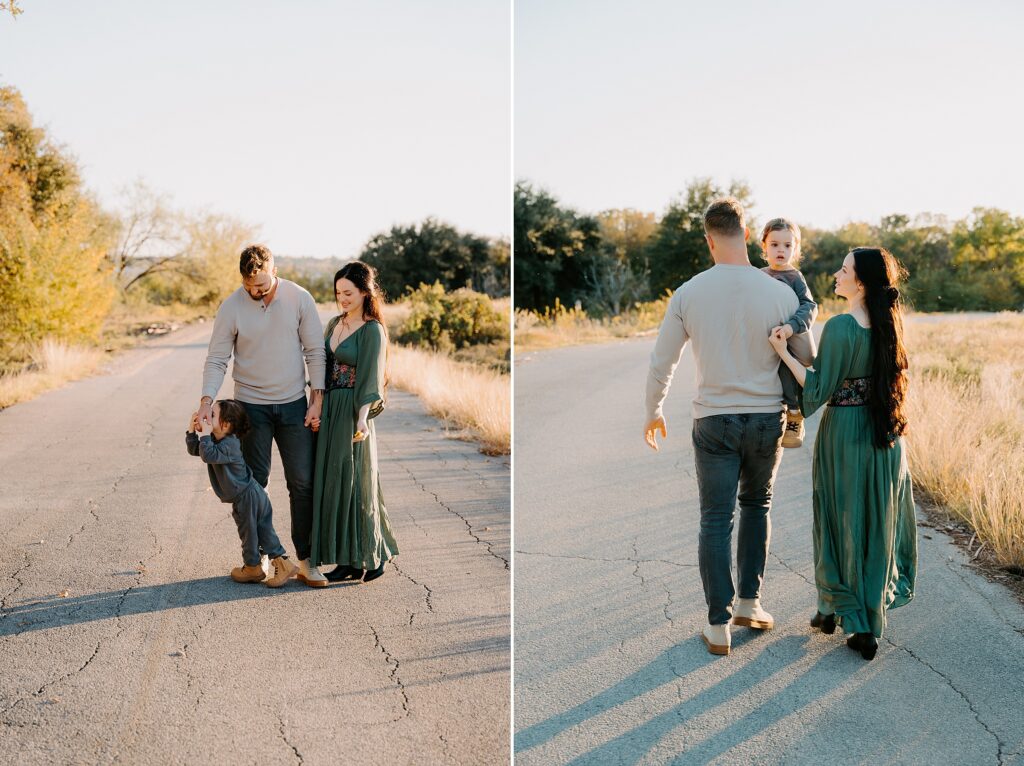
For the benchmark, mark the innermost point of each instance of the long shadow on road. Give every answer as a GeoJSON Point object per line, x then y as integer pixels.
{"type": "Point", "coordinates": [672, 667]}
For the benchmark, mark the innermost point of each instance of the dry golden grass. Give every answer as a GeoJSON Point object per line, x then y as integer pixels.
{"type": "Point", "coordinates": [463, 395]}
{"type": "Point", "coordinates": [966, 411]}
{"type": "Point", "coordinates": [55, 363]}
{"type": "Point", "coordinates": [561, 326]}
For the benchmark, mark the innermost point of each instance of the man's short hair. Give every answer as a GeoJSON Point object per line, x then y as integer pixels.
{"type": "Point", "coordinates": [724, 216]}
{"type": "Point", "coordinates": [254, 260]}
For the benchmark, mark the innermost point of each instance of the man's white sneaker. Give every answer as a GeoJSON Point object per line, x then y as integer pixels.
{"type": "Point", "coordinates": [310, 575]}
{"type": "Point", "coordinates": [749, 612]}
{"type": "Point", "coordinates": [717, 638]}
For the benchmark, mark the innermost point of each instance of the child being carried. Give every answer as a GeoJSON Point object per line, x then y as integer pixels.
{"type": "Point", "coordinates": [780, 241]}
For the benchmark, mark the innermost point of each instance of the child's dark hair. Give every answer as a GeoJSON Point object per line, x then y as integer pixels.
{"type": "Point", "coordinates": [233, 414]}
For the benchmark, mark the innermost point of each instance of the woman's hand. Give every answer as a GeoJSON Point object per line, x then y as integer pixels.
{"type": "Point", "coordinates": [778, 340]}
{"type": "Point", "coordinates": [362, 430]}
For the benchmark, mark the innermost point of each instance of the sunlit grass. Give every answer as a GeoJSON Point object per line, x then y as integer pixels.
{"type": "Point", "coordinates": [966, 410]}
{"type": "Point", "coordinates": [54, 364]}
{"type": "Point", "coordinates": [464, 395]}
{"type": "Point", "coordinates": [562, 326]}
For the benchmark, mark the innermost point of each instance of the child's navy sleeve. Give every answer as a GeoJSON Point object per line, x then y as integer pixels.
{"type": "Point", "coordinates": [807, 311]}
{"type": "Point", "coordinates": [192, 443]}
{"type": "Point", "coordinates": [224, 451]}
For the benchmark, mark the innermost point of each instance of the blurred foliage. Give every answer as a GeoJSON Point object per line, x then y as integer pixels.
{"type": "Point", "coordinates": [607, 263]}
{"type": "Point", "coordinates": [449, 321]}
{"type": "Point", "coordinates": [431, 251]}
{"type": "Point", "coordinates": [55, 279]}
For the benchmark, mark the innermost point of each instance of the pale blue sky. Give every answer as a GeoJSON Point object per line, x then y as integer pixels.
{"type": "Point", "coordinates": [322, 122]}
{"type": "Point", "coordinates": [831, 111]}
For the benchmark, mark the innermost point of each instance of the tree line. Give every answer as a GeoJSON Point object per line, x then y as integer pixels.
{"type": "Point", "coordinates": [66, 262]}
{"type": "Point", "coordinates": [610, 260]}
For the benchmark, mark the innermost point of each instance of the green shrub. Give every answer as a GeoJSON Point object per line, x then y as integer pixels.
{"type": "Point", "coordinates": [451, 321]}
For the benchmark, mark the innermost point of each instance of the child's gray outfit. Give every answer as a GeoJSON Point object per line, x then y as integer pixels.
{"type": "Point", "coordinates": [801, 343]}
{"type": "Point", "coordinates": [233, 483]}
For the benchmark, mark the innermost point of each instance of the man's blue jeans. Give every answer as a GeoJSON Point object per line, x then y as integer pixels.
{"type": "Point", "coordinates": [736, 456]}
{"type": "Point", "coordinates": [283, 423]}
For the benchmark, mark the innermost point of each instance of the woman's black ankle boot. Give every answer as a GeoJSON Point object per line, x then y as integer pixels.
{"type": "Point", "coordinates": [373, 574]}
{"type": "Point", "coordinates": [826, 623]}
{"type": "Point", "coordinates": [865, 643]}
{"type": "Point", "coordinates": [343, 572]}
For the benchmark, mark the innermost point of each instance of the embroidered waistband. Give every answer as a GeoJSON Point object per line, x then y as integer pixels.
{"type": "Point", "coordinates": [341, 376]}
{"type": "Point", "coordinates": [852, 392]}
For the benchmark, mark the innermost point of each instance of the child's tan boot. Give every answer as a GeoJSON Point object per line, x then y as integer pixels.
{"type": "Point", "coordinates": [248, 573]}
{"type": "Point", "coordinates": [284, 570]}
{"type": "Point", "coordinates": [794, 435]}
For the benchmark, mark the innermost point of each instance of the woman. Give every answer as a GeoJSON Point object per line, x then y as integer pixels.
{"type": "Point", "coordinates": [350, 523]}
{"type": "Point", "coordinates": [865, 533]}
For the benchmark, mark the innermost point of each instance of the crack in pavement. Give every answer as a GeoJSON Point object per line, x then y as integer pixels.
{"type": "Point", "coordinates": [958, 569]}
{"type": "Point", "coordinates": [469, 527]}
{"type": "Point", "coordinates": [16, 576]}
{"type": "Point", "coordinates": [609, 561]}
{"type": "Point", "coordinates": [393, 662]}
{"type": "Point", "coordinates": [1000, 745]}
{"type": "Point", "coordinates": [93, 505]}
{"type": "Point", "coordinates": [429, 592]}
{"type": "Point", "coordinates": [284, 737]}
{"type": "Point", "coordinates": [99, 644]}
{"type": "Point", "coordinates": [785, 564]}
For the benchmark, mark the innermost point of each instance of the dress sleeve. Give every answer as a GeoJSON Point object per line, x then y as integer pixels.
{"type": "Point", "coordinates": [831, 366]}
{"type": "Point", "coordinates": [370, 366]}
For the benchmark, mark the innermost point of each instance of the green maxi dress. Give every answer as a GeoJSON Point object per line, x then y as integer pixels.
{"type": "Point", "coordinates": [350, 521]}
{"type": "Point", "coordinates": [865, 532]}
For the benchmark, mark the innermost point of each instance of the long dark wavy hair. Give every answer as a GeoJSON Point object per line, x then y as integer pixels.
{"type": "Point", "coordinates": [880, 273]}
{"type": "Point", "coordinates": [364, 277]}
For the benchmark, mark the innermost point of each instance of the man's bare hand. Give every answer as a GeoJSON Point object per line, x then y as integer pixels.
{"type": "Point", "coordinates": [205, 413]}
{"type": "Point", "coordinates": [313, 414]}
{"type": "Point", "coordinates": [650, 432]}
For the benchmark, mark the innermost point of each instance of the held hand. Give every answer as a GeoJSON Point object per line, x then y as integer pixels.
{"type": "Point", "coordinates": [650, 432]}
{"type": "Point", "coordinates": [205, 427]}
{"type": "Point", "coordinates": [785, 329]}
{"type": "Point", "coordinates": [205, 414]}
{"type": "Point", "coordinates": [193, 424]}
{"type": "Point", "coordinates": [778, 341]}
{"type": "Point", "coordinates": [313, 415]}
{"type": "Point", "coordinates": [362, 431]}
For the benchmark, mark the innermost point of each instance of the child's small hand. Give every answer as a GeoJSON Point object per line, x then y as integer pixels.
{"type": "Point", "coordinates": [193, 424]}
{"type": "Point", "coordinates": [785, 330]}
{"type": "Point", "coordinates": [205, 427]}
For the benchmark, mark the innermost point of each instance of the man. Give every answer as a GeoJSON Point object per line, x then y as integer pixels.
{"type": "Point", "coordinates": [272, 327]}
{"type": "Point", "coordinates": [728, 312]}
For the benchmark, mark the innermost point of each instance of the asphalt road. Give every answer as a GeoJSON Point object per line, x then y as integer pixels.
{"type": "Point", "coordinates": [122, 640]}
{"type": "Point", "coordinates": [609, 666]}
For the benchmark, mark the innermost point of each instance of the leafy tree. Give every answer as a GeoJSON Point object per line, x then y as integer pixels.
{"type": "Point", "coordinates": [54, 277]}
{"type": "Point", "coordinates": [433, 251]}
{"type": "Point", "coordinates": [679, 251]}
{"type": "Point", "coordinates": [554, 247]}
{"type": "Point", "coordinates": [451, 321]}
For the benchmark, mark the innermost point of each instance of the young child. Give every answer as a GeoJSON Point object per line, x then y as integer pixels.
{"type": "Point", "coordinates": [219, 447]}
{"type": "Point", "coordinates": [780, 241]}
